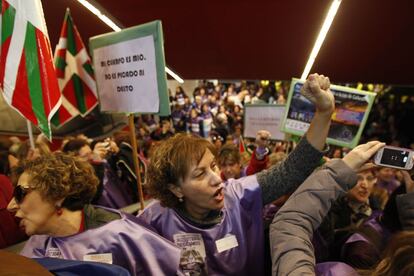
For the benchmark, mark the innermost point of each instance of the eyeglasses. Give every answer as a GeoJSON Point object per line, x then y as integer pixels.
{"type": "Point", "coordinates": [20, 193]}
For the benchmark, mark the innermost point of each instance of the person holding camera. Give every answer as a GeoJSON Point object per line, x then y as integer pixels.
{"type": "Point", "coordinates": [293, 226]}
{"type": "Point", "coordinates": [112, 191]}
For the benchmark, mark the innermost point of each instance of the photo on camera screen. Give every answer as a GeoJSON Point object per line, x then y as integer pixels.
{"type": "Point", "coordinates": [394, 157]}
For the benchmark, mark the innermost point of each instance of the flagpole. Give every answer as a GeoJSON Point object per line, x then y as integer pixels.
{"type": "Point", "coordinates": [135, 157]}
{"type": "Point", "coordinates": [30, 131]}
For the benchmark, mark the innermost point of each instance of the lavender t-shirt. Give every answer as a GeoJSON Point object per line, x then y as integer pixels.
{"type": "Point", "coordinates": [125, 242]}
{"type": "Point", "coordinates": [235, 246]}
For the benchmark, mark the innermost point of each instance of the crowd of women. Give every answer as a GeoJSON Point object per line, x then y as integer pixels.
{"type": "Point", "coordinates": [215, 210]}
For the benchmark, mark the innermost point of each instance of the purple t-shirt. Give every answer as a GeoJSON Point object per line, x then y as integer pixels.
{"type": "Point", "coordinates": [125, 242]}
{"type": "Point", "coordinates": [235, 246]}
{"type": "Point", "coordinates": [116, 192]}
{"type": "Point", "coordinates": [389, 186]}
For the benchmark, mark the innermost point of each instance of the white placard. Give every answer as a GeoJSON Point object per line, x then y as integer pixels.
{"type": "Point", "coordinates": [264, 117]}
{"type": "Point", "coordinates": [126, 76]}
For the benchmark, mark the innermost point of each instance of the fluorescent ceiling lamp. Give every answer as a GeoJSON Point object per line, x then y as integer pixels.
{"type": "Point", "coordinates": [174, 75]}
{"type": "Point", "coordinates": [100, 15]}
{"type": "Point", "coordinates": [116, 28]}
{"type": "Point", "coordinates": [321, 37]}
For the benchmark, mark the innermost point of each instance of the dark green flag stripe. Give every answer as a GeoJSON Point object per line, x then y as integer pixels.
{"type": "Point", "coordinates": [7, 23]}
{"type": "Point", "coordinates": [70, 37]}
{"type": "Point", "coordinates": [77, 84]}
{"type": "Point", "coordinates": [33, 76]}
{"type": "Point", "coordinates": [60, 63]}
{"type": "Point", "coordinates": [88, 67]}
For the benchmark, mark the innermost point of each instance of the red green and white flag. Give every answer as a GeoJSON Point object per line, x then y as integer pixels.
{"type": "Point", "coordinates": [75, 74]}
{"type": "Point", "coordinates": [27, 74]}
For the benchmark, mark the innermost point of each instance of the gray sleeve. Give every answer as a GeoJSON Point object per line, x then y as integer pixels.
{"type": "Point", "coordinates": [405, 205]}
{"type": "Point", "coordinates": [285, 177]}
{"type": "Point", "coordinates": [292, 228]}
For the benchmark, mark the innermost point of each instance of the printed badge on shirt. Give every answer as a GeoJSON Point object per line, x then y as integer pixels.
{"type": "Point", "coordinates": [193, 253]}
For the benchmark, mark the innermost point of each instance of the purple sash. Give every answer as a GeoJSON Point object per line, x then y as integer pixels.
{"type": "Point", "coordinates": [389, 186]}
{"type": "Point", "coordinates": [357, 237]}
{"type": "Point", "coordinates": [116, 193]}
{"type": "Point", "coordinates": [373, 223]}
{"type": "Point", "coordinates": [233, 247]}
{"type": "Point", "coordinates": [126, 241]}
{"type": "Point", "coordinates": [334, 269]}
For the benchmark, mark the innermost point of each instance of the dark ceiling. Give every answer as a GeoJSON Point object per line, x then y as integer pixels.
{"type": "Point", "coordinates": [371, 41]}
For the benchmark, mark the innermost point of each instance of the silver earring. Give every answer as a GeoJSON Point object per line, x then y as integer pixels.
{"type": "Point", "coordinates": [180, 199]}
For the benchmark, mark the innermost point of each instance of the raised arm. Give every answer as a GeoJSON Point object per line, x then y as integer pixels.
{"type": "Point", "coordinates": [405, 203]}
{"type": "Point", "coordinates": [316, 89]}
{"type": "Point", "coordinates": [259, 159]}
{"type": "Point", "coordinates": [282, 179]}
{"type": "Point", "coordinates": [292, 228]}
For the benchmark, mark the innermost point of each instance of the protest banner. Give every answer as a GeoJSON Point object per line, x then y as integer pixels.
{"type": "Point", "coordinates": [352, 108]}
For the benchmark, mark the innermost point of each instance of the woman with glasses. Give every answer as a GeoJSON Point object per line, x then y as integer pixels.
{"type": "Point", "coordinates": [52, 198]}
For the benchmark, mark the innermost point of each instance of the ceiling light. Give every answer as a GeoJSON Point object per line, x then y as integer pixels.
{"type": "Point", "coordinates": [174, 75]}
{"type": "Point", "coordinates": [117, 28]}
{"type": "Point", "coordinates": [99, 14]}
{"type": "Point", "coordinates": [321, 37]}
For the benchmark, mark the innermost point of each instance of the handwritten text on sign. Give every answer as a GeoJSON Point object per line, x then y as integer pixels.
{"type": "Point", "coordinates": [126, 76]}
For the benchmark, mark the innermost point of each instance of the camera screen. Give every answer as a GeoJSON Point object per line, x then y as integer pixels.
{"type": "Point", "coordinates": [395, 157]}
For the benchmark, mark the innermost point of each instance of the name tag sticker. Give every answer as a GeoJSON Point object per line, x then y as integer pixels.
{"type": "Point", "coordinates": [105, 258]}
{"type": "Point", "coordinates": [54, 252]}
{"type": "Point", "coordinates": [226, 243]}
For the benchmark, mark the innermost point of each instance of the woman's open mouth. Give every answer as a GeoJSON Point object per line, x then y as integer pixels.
{"type": "Point", "coordinates": [363, 193]}
{"type": "Point", "coordinates": [219, 194]}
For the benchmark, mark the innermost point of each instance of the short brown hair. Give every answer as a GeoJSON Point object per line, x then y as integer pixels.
{"type": "Point", "coordinates": [74, 145]}
{"type": "Point", "coordinates": [171, 162]}
{"type": "Point", "coordinates": [368, 167]}
{"type": "Point", "coordinates": [230, 153]}
{"type": "Point", "coordinates": [61, 176]}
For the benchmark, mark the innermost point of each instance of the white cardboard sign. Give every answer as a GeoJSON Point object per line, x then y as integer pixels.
{"type": "Point", "coordinates": [264, 117]}
{"type": "Point", "coordinates": [126, 76]}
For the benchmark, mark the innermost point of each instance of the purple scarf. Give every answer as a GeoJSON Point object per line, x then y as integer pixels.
{"type": "Point", "coordinates": [116, 193]}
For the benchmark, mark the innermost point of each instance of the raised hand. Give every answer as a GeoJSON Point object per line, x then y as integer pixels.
{"type": "Point", "coordinates": [316, 89]}
{"type": "Point", "coordinates": [361, 154]}
{"type": "Point", "coordinates": [100, 151]}
{"type": "Point", "coordinates": [262, 138]}
{"type": "Point", "coordinates": [409, 182]}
